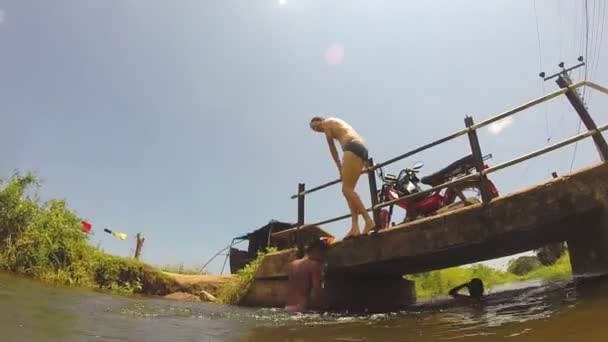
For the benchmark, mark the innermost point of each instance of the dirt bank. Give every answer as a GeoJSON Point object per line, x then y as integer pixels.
{"type": "Point", "coordinates": [200, 285]}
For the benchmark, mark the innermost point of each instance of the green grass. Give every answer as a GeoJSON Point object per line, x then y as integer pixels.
{"type": "Point", "coordinates": [561, 270]}
{"type": "Point", "coordinates": [44, 240]}
{"type": "Point", "coordinates": [439, 283]}
{"type": "Point", "coordinates": [180, 269]}
{"type": "Point", "coordinates": [236, 288]}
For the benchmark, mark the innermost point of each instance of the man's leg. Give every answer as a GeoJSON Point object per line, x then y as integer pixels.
{"type": "Point", "coordinates": [352, 166]}
{"type": "Point", "coordinates": [354, 214]}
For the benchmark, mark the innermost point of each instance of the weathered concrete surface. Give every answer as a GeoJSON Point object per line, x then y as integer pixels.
{"type": "Point", "coordinates": [565, 208]}
{"type": "Point", "coordinates": [369, 294]}
{"type": "Point", "coordinates": [275, 265]}
{"type": "Point", "coordinates": [269, 288]}
{"type": "Point", "coordinates": [266, 293]}
{"type": "Point", "coordinates": [589, 249]}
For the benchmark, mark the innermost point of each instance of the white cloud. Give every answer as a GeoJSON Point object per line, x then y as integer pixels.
{"type": "Point", "coordinates": [498, 126]}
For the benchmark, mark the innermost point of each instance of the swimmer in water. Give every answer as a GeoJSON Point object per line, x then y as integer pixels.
{"type": "Point", "coordinates": [475, 287]}
{"type": "Point", "coordinates": [305, 278]}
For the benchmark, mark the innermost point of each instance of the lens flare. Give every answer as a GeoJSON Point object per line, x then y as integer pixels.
{"type": "Point", "coordinates": [334, 55]}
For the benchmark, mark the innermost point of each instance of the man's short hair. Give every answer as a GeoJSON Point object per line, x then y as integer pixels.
{"type": "Point", "coordinates": [316, 246]}
{"type": "Point", "coordinates": [317, 118]}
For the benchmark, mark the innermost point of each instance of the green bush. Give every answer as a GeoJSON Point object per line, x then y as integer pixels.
{"type": "Point", "coordinates": [523, 265]}
{"type": "Point", "coordinates": [548, 255]}
{"type": "Point", "coordinates": [45, 241]}
{"type": "Point", "coordinates": [234, 290]}
{"type": "Point", "coordinates": [560, 270]}
{"type": "Point", "coordinates": [129, 275]}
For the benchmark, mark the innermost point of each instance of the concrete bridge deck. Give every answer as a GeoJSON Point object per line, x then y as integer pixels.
{"type": "Point", "coordinates": [368, 271]}
{"type": "Point", "coordinates": [561, 209]}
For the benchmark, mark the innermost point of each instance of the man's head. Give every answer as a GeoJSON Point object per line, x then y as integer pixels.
{"type": "Point", "coordinates": [476, 288]}
{"type": "Point", "coordinates": [316, 249]}
{"type": "Point", "coordinates": [316, 124]}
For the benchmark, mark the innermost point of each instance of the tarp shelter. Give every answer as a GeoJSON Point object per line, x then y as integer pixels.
{"type": "Point", "coordinates": [258, 240]}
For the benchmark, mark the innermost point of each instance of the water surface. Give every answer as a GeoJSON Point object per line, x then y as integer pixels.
{"type": "Point", "coordinates": [534, 311]}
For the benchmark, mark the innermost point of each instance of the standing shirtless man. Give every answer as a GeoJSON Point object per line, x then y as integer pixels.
{"type": "Point", "coordinates": [354, 159]}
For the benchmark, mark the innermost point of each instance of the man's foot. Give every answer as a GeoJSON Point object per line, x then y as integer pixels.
{"type": "Point", "coordinates": [353, 233]}
{"type": "Point", "coordinates": [351, 236]}
{"type": "Point", "coordinates": [369, 227]}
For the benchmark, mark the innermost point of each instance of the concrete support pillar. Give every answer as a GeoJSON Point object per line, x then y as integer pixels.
{"type": "Point", "coordinates": [589, 250]}
{"type": "Point", "coordinates": [367, 294]}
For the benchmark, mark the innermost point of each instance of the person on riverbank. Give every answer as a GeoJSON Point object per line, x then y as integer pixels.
{"type": "Point", "coordinates": [476, 290]}
{"type": "Point", "coordinates": [354, 159]}
{"type": "Point", "coordinates": [305, 278]}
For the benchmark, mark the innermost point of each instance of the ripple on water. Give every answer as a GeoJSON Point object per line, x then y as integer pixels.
{"type": "Point", "coordinates": [35, 310]}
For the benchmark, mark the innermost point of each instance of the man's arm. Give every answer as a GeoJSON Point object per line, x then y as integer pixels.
{"type": "Point", "coordinates": [333, 151]}
{"type": "Point", "coordinates": [454, 292]}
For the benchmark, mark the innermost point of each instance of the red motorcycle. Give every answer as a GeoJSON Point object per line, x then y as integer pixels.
{"type": "Point", "coordinates": [407, 183]}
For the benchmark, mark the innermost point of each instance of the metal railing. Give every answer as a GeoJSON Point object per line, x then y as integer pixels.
{"type": "Point", "coordinates": [567, 88]}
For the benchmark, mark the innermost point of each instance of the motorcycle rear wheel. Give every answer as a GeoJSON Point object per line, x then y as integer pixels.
{"type": "Point", "coordinates": [471, 192]}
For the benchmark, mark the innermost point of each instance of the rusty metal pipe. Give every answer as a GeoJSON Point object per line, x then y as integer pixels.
{"type": "Point", "coordinates": [547, 149]}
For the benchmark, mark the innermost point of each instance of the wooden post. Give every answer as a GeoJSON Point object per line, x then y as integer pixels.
{"type": "Point", "coordinates": [373, 190]}
{"type": "Point", "coordinates": [563, 81]}
{"type": "Point", "coordinates": [139, 245]}
{"type": "Point", "coordinates": [478, 159]}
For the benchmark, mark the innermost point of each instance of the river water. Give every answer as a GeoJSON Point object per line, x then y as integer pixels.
{"type": "Point", "coordinates": [534, 311]}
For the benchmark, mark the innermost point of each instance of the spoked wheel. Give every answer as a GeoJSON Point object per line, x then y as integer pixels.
{"type": "Point", "coordinates": [470, 194]}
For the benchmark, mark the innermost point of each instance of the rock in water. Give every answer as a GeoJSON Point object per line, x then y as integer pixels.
{"type": "Point", "coordinates": [208, 296]}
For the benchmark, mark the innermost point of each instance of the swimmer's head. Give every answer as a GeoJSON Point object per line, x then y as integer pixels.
{"type": "Point", "coordinates": [316, 248]}
{"type": "Point", "coordinates": [476, 288]}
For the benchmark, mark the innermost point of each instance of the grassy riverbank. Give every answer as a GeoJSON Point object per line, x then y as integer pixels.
{"type": "Point", "coordinates": [439, 283]}
{"type": "Point", "coordinates": [44, 240]}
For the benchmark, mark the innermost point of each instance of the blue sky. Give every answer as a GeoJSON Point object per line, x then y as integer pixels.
{"type": "Point", "coordinates": [188, 120]}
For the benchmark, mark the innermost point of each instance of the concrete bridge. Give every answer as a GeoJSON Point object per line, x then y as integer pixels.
{"type": "Point", "coordinates": [568, 208]}
{"type": "Point", "coordinates": [367, 272]}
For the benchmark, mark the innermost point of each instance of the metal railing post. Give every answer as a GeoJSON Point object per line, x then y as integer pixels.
{"type": "Point", "coordinates": [301, 189]}
{"type": "Point", "coordinates": [478, 159]}
{"type": "Point", "coordinates": [373, 190]}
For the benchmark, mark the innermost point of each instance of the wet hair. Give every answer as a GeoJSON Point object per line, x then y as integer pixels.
{"type": "Point", "coordinates": [316, 246]}
{"type": "Point", "coordinates": [476, 288]}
